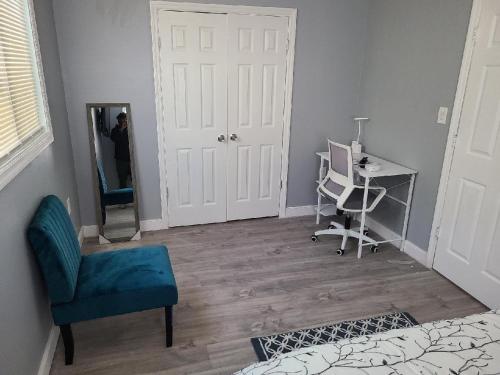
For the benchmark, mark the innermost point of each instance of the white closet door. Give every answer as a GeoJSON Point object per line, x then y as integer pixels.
{"type": "Point", "coordinates": [256, 86]}
{"type": "Point", "coordinates": [193, 56]}
{"type": "Point", "coordinates": [468, 247]}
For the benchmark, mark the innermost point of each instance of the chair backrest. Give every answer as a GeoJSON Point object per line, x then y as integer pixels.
{"type": "Point", "coordinates": [55, 243]}
{"type": "Point", "coordinates": [340, 177]}
{"type": "Point", "coordinates": [103, 183]}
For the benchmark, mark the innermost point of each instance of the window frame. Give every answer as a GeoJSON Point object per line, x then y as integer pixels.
{"type": "Point", "coordinates": [29, 150]}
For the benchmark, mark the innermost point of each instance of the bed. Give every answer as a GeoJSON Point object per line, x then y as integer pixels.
{"type": "Point", "coordinates": [469, 345]}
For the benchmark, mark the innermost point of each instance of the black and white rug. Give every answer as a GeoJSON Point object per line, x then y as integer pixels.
{"type": "Point", "coordinates": [268, 347]}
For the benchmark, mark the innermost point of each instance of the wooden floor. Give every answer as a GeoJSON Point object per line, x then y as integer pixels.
{"type": "Point", "coordinates": [242, 279]}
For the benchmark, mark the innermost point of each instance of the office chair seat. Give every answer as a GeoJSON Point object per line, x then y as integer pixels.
{"type": "Point", "coordinates": [355, 200]}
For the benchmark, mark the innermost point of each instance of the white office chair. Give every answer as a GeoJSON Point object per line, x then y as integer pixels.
{"type": "Point", "coordinates": [339, 186]}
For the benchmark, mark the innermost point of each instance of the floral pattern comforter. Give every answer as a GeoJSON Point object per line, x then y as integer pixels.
{"type": "Point", "coordinates": [468, 345]}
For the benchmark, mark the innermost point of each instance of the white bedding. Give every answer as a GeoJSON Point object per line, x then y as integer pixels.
{"type": "Point", "coordinates": [468, 345]}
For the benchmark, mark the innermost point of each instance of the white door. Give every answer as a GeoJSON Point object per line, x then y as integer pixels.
{"type": "Point", "coordinates": [193, 54]}
{"type": "Point", "coordinates": [257, 69]}
{"type": "Point", "coordinates": [468, 247]}
{"type": "Point", "coordinates": [223, 85]}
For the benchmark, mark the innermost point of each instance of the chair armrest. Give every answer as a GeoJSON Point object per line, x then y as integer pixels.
{"type": "Point", "coordinates": [380, 195]}
{"type": "Point", "coordinates": [321, 190]}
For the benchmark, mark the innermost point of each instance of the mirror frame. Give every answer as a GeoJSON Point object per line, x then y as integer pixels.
{"type": "Point", "coordinates": [93, 159]}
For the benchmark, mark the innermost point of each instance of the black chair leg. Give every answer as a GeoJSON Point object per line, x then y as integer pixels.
{"type": "Point", "coordinates": [67, 337]}
{"type": "Point", "coordinates": [168, 326]}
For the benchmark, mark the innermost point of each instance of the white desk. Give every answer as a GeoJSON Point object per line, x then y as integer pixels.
{"type": "Point", "coordinates": [387, 169]}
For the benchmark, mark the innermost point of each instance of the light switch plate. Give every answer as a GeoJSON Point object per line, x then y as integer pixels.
{"type": "Point", "coordinates": [442, 115]}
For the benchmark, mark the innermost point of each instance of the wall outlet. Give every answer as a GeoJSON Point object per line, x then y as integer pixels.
{"type": "Point", "coordinates": [68, 205]}
{"type": "Point", "coordinates": [442, 115]}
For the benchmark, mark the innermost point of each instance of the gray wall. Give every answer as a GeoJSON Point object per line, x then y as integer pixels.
{"type": "Point", "coordinates": [395, 61]}
{"type": "Point", "coordinates": [106, 57]}
{"type": "Point", "coordinates": [24, 316]}
{"type": "Point", "coordinates": [413, 57]}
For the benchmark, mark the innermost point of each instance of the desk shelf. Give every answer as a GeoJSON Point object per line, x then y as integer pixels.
{"type": "Point", "coordinates": [328, 210]}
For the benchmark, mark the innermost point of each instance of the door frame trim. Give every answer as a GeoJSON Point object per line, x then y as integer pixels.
{"type": "Point", "coordinates": [160, 5]}
{"type": "Point", "coordinates": [454, 128]}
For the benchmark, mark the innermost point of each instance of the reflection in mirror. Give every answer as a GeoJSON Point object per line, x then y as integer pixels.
{"type": "Point", "coordinates": [114, 177]}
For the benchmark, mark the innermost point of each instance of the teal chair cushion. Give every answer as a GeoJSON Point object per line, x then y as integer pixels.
{"type": "Point", "coordinates": [55, 243]}
{"type": "Point", "coordinates": [119, 282]}
{"type": "Point", "coordinates": [119, 196]}
{"type": "Point", "coordinates": [112, 197]}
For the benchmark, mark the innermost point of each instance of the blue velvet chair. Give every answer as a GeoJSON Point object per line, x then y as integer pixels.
{"type": "Point", "coordinates": [101, 284]}
{"type": "Point", "coordinates": [112, 197]}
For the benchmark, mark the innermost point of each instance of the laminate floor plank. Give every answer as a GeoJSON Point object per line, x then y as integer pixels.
{"type": "Point", "coordinates": [248, 278]}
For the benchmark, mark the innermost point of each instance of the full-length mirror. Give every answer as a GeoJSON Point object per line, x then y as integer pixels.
{"type": "Point", "coordinates": [115, 185]}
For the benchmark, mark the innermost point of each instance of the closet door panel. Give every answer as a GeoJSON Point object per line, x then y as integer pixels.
{"type": "Point", "coordinates": [193, 56]}
{"type": "Point", "coordinates": [256, 87]}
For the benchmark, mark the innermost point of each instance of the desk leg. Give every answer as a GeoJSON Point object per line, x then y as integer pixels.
{"type": "Point", "coordinates": [363, 217]}
{"type": "Point", "coordinates": [407, 212]}
{"type": "Point", "coordinates": [320, 178]}
{"type": "Point", "coordinates": [318, 209]}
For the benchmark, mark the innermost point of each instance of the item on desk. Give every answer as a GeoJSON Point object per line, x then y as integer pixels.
{"type": "Point", "coordinates": [372, 167]}
{"type": "Point", "coordinates": [356, 147]}
{"type": "Point", "coordinates": [363, 162]}
{"type": "Point", "coordinates": [356, 150]}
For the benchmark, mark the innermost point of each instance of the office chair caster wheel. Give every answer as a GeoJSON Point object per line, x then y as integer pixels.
{"type": "Point", "coordinates": [365, 232]}
{"type": "Point", "coordinates": [340, 252]}
{"type": "Point", "coordinates": [314, 238]}
{"type": "Point", "coordinates": [331, 226]}
{"type": "Point", "coordinates": [374, 249]}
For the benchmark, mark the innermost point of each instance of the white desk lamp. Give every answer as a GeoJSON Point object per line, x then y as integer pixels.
{"type": "Point", "coordinates": [356, 146]}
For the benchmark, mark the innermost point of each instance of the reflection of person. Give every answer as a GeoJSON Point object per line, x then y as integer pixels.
{"type": "Point", "coordinates": [119, 135]}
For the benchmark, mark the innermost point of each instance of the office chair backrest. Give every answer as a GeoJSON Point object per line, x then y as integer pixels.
{"type": "Point", "coordinates": [341, 163]}
{"type": "Point", "coordinates": [103, 183]}
{"type": "Point", "coordinates": [339, 181]}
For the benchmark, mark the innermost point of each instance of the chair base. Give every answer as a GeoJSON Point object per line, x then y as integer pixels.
{"type": "Point", "coordinates": [346, 232]}
{"type": "Point", "coordinates": [69, 347]}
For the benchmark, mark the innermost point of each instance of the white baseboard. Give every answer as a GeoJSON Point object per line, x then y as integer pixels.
{"type": "Point", "coordinates": [48, 353]}
{"type": "Point", "coordinates": [420, 255]}
{"type": "Point", "coordinates": [411, 249]}
{"type": "Point", "coordinates": [382, 231]}
{"type": "Point", "coordinates": [417, 253]}
{"type": "Point", "coordinates": [153, 225]}
{"type": "Point", "coordinates": [304, 210]}
{"type": "Point", "coordinates": [90, 231]}
{"type": "Point", "coordinates": [146, 226]}
{"type": "Point", "coordinates": [300, 211]}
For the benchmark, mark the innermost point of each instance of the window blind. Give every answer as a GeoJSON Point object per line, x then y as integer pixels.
{"type": "Point", "coordinates": [20, 93]}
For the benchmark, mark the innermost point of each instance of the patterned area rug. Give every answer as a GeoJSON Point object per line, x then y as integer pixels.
{"type": "Point", "coordinates": [268, 347]}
